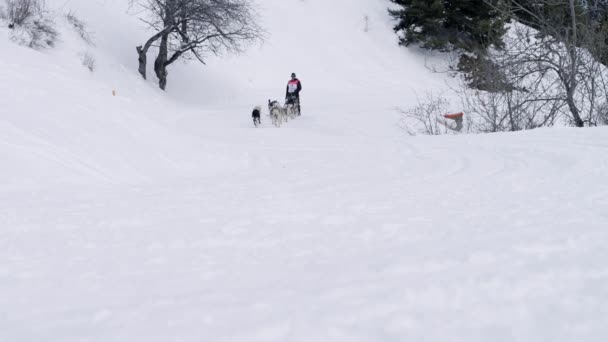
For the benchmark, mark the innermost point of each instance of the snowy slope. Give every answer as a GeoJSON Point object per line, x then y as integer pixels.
{"type": "Point", "coordinates": [166, 217]}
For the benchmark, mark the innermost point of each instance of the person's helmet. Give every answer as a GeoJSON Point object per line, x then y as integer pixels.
{"type": "Point", "coordinates": [293, 75]}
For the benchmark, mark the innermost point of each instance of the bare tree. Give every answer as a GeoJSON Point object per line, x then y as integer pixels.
{"type": "Point", "coordinates": [555, 55]}
{"type": "Point", "coordinates": [193, 29]}
{"type": "Point", "coordinates": [503, 95]}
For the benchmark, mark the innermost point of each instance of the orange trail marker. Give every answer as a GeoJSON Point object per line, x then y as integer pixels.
{"type": "Point", "coordinates": [454, 116]}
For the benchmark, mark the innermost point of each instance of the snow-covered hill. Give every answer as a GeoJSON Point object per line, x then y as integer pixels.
{"type": "Point", "coordinates": [151, 216]}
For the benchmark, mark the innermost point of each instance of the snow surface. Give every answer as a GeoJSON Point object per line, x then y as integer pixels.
{"type": "Point", "coordinates": [148, 216]}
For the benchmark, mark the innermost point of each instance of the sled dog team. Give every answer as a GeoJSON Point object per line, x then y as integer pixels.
{"type": "Point", "coordinates": [279, 114]}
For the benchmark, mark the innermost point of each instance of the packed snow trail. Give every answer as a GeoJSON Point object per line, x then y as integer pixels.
{"type": "Point", "coordinates": [471, 238]}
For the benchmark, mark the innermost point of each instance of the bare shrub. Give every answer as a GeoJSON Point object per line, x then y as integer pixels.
{"type": "Point", "coordinates": [37, 34]}
{"type": "Point", "coordinates": [42, 33]}
{"type": "Point", "coordinates": [88, 61]}
{"type": "Point", "coordinates": [80, 27]}
{"type": "Point", "coordinates": [31, 24]}
{"type": "Point", "coordinates": [427, 116]}
{"type": "Point", "coordinates": [18, 12]}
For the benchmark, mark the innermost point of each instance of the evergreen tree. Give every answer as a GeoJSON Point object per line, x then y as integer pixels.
{"type": "Point", "coordinates": [421, 22]}
{"type": "Point", "coordinates": [469, 25]}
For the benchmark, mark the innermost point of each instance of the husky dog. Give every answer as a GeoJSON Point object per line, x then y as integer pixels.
{"type": "Point", "coordinates": [276, 112]}
{"type": "Point", "coordinates": [292, 106]}
{"type": "Point", "coordinates": [255, 114]}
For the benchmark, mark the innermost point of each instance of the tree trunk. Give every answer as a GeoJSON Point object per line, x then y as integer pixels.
{"type": "Point", "coordinates": [574, 69]}
{"type": "Point", "coordinates": [142, 58]}
{"type": "Point", "coordinates": [160, 64]}
{"type": "Point", "coordinates": [578, 122]}
{"type": "Point", "coordinates": [143, 51]}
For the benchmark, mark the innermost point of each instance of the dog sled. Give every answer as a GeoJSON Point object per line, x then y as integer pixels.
{"type": "Point", "coordinates": [292, 107]}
